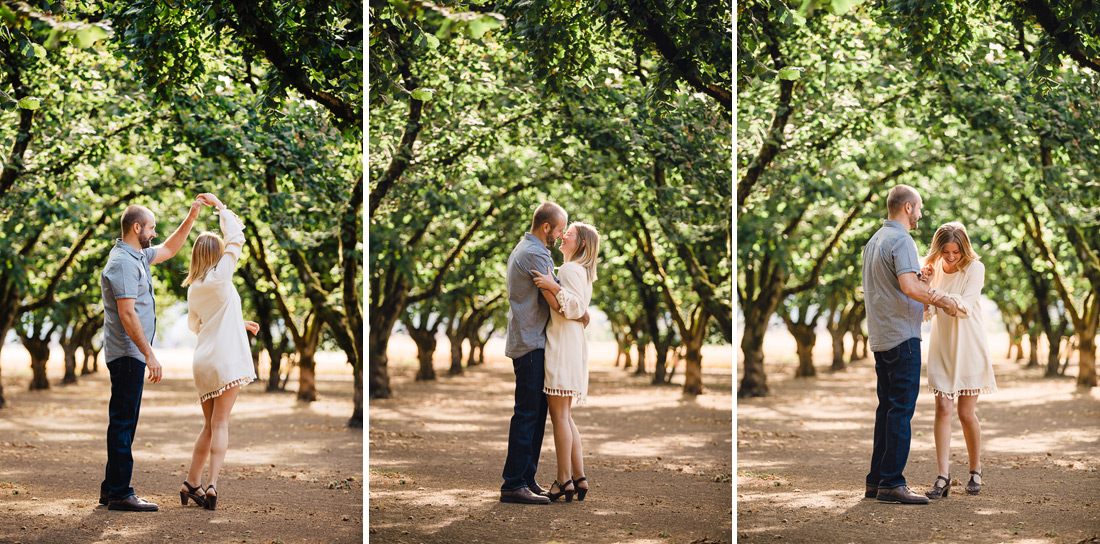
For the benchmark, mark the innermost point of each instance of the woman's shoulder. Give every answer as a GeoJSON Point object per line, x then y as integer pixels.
{"type": "Point", "coordinates": [975, 266]}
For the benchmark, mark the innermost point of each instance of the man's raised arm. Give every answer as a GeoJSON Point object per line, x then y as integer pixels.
{"type": "Point", "coordinates": [172, 245]}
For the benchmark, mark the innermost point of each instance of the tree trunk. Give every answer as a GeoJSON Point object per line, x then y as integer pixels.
{"type": "Point", "coordinates": [455, 338]}
{"type": "Point", "coordinates": [356, 421]}
{"type": "Point", "coordinates": [804, 338]}
{"type": "Point", "coordinates": [379, 377]}
{"type": "Point", "coordinates": [70, 345]}
{"type": "Point", "coordinates": [641, 346]}
{"type": "Point", "coordinates": [1033, 351]}
{"type": "Point", "coordinates": [693, 354]}
{"type": "Point", "coordinates": [40, 355]}
{"type": "Point", "coordinates": [307, 364]}
{"type": "Point", "coordinates": [1086, 356]}
{"type": "Point", "coordinates": [754, 383]}
{"type": "Point", "coordinates": [425, 351]}
{"type": "Point", "coordinates": [1055, 342]}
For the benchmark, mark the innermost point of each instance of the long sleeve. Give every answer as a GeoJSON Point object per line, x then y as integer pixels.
{"type": "Point", "coordinates": [573, 278]}
{"type": "Point", "coordinates": [234, 243]}
{"type": "Point", "coordinates": [970, 298]}
{"type": "Point", "coordinates": [193, 320]}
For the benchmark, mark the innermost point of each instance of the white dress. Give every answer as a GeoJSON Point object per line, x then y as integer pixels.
{"type": "Point", "coordinates": [958, 353]}
{"type": "Point", "coordinates": [222, 357]}
{"type": "Point", "coordinates": [566, 345]}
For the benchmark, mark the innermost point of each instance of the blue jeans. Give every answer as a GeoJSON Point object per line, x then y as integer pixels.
{"type": "Point", "coordinates": [898, 371]}
{"type": "Point", "coordinates": [528, 422]}
{"type": "Point", "coordinates": [127, 382]}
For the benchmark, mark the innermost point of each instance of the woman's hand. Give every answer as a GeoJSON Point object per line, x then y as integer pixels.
{"type": "Point", "coordinates": [927, 273]}
{"type": "Point", "coordinates": [546, 281]}
{"type": "Point", "coordinates": [210, 200]}
{"type": "Point", "coordinates": [252, 327]}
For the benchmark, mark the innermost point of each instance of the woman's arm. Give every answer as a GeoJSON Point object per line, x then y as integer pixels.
{"type": "Point", "coordinates": [564, 298]}
{"type": "Point", "coordinates": [970, 298]}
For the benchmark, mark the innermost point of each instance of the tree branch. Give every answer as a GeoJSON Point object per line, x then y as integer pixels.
{"type": "Point", "coordinates": [1046, 18]}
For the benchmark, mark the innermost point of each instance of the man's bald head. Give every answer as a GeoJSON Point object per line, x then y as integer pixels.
{"type": "Point", "coordinates": [135, 215]}
{"type": "Point", "coordinates": [899, 196]}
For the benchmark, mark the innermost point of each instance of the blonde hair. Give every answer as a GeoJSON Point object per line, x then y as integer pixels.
{"type": "Point", "coordinates": [205, 255]}
{"type": "Point", "coordinates": [588, 248]}
{"type": "Point", "coordinates": [951, 233]}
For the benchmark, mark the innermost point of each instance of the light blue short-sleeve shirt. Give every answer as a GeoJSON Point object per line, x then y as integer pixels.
{"type": "Point", "coordinates": [528, 311]}
{"type": "Point", "coordinates": [127, 275]}
{"type": "Point", "coordinates": [892, 317]}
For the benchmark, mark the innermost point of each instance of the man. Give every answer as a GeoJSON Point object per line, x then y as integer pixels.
{"type": "Point", "coordinates": [128, 329]}
{"type": "Point", "coordinates": [895, 298]}
{"type": "Point", "coordinates": [528, 314]}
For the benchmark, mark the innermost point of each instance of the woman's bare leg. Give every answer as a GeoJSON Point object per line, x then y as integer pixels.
{"type": "Point", "coordinates": [942, 431]}
{"type": "Point", "coordinates": [202, 447]}
{"type": "Point", "coordinates": [577, 457]}
{"type": "Point", "coordinates": [972, 432]}
{"type": "Point", "coordinates": [219, 430]}
{"type": "Point", "coordinates": [563, 435]}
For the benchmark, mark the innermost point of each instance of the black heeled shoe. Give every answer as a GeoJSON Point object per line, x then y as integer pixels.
{"type": "Point", "coordinates": [190, 494]}
{"type": "Point", "coordinates": [938, 491]}
{"type": "Point", "coordinates": [972, 487]}
{"type": "Point", "coordinates": [581, 491]}
{"type": "Point", "coordinates": [561, 491]}
{"type": "Point", "coordinates": [211, 501]}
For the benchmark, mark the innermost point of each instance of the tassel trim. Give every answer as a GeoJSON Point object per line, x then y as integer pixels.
{"type": "Point", "coordinates": [581, 398]}
{"type": "Point", "coordinates": [963, 392]}
{"type": "Point", "coordinates": [240, 381]}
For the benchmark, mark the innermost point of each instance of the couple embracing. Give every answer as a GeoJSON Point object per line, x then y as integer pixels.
{"type": "Point", "coordinates": [546, 342]}
{"type": "Point", "coordinates": [222, 361]}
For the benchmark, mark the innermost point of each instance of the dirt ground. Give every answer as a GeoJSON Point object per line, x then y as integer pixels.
{"type": "Point", "coordinates": [659, 464]}
{"type": "Point", "coordinates": [803, 453]}
{"type": "Point", "coordinates": [293, 472]}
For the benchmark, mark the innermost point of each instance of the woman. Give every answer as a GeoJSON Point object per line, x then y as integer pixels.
{"type": "Point", "coordinates": [223, 361]}
{"type": "Point", "coordinates": [959, 364]}
{"type": "Point", "coordinates": [567, 352]}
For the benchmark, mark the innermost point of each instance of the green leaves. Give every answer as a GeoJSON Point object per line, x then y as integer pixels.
{"type": "Point", "coordinates": [29, 103]}
{"type": "Point", "coordinates": [423, 94]}
{"type": "Point", "coordinates": [479, 26]}
{"type": "Point", "coordinates": [86, 36]}
{"type": "Point", "coordinates": [791, 74]}
{"type": "Point", "coordinates": [840, 7]}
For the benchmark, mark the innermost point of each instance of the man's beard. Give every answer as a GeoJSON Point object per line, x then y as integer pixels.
{"type": "Point", "coordinates": [145, 242]}
{"type": "Point", "coordinates": [549, 241]}
{"type": "Point", "coordinates": [912, 223]}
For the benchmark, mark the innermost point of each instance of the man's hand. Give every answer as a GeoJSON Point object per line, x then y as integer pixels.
{"type": "Point", "coordinates": [252, 327]}
{"type": "Point", "coordinates": [156, 372]}
{"type": "Point", "coordinates": [950, 306]}
{"type": "Point", "coordinates": [584, 319]}
{"type": "Point", "coordinates": [935, 295]}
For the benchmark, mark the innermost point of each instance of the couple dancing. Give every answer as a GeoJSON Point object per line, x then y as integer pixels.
{"type": "Point", "coordinates": [222, 362]}
{"type": "Point", "coordinates": [899, 294]}
{"type": "Point", "coordinates": [546, 342]}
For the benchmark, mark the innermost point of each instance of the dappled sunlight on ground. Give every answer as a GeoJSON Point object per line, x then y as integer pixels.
{"type": "Point", "coordinates": [658, 463]}
{"type": "Point", "coordinates": [813, 437]}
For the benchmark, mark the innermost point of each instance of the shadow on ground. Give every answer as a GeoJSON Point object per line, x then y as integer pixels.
{"type": "Point", "coordinates": [275, 486]}
{"type": "Point", "coordinates": [659, 463]}
{"type": "Point", "coordinates": [804, 451]}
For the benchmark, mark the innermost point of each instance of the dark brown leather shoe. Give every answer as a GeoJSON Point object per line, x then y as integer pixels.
{"type": "Point", "coordinates": [871, 492]}
{"type": "Point", "coordinates": [132, 504]}
{"type": "Point", "coordinates": [901, 494]}
{"type": "Point", "coordinates": [103, 499]}
{"type": "Point", "coordinates": [523, 496]}
{"type": "Point", "coordinates": [537, 489]}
